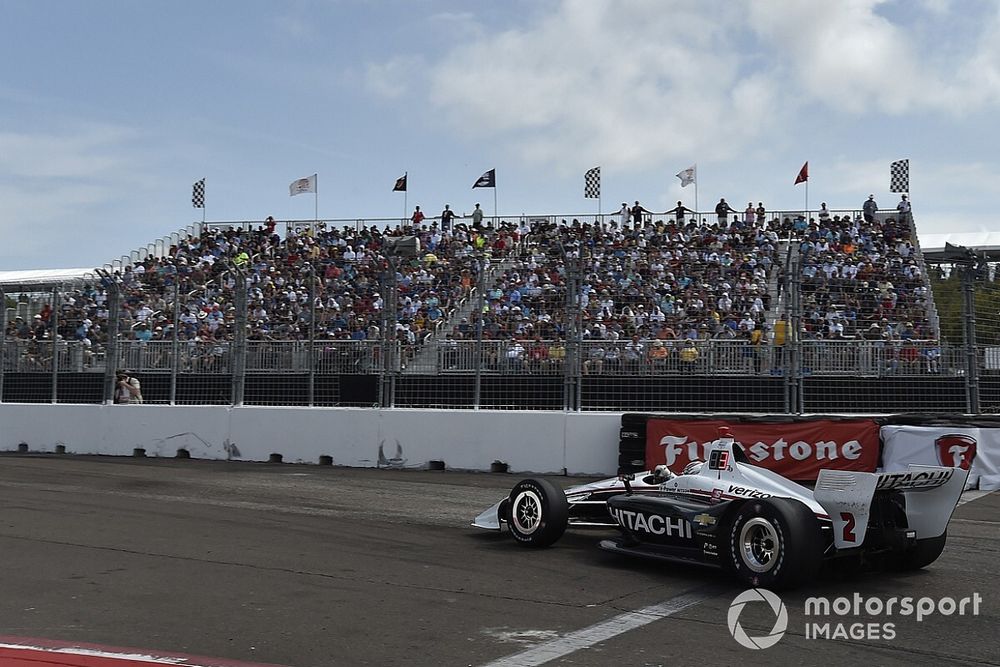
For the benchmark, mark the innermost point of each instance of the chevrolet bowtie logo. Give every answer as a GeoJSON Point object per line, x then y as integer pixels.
{"type": "Point", "coordinates": [704, 519]}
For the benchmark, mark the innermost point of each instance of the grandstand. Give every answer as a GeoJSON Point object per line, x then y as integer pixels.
{"type": "Point", "coordinates": [782, 312]}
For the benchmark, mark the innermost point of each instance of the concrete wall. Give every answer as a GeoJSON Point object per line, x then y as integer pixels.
{"type": "Point", "coordinates": [584, 443]}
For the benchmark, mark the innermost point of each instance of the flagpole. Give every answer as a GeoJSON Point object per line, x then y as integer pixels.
{"type": "Point", "coordinates": [406, 194]}
{"type": "Point", "coordinates": [697, 214]}
{"type": "Point", "coordinates": [496, 218]}
{"type": "Point", "coordinates": [807, 200]}
{"type": "Point", "coordinates": [316, 201]}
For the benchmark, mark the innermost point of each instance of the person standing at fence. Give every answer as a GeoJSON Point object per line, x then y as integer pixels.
{"type": "Point", "coordinates": [678, 212]}
{"type": "Point", "coordinates": [869, 209]}
{"type": "Point", "coordinates": [722, 211]}
{"type": "Point", "coordinates": [417, 217]}
{"type": "Point", "coordinates": [757, 346]}
{"type": "Point", "coordinates": [780, 340]}
{"type": "Point", "coordinates": [447, 215]}
{"type": "Point", "coordinates": [477, 217]}
{"type": "Point", "coordinates": [623, 216]}
{"type": "Point", "coordinates": [904, 209]}
{"type": "Point", "coordinates": [637, 213]}
{"type": "Point", "coordinates": [127, 389]}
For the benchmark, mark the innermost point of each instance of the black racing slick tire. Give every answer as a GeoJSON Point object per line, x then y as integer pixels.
{"type": "Point", "coordinates": [923, 553]}
{"type": "Point", "coordinates": [537, 513]}
{"type": "Point", "coordinates": [775, 543]}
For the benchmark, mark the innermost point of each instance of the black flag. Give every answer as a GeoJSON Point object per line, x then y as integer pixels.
{"type": "Point", "coordinates": [487, 180]}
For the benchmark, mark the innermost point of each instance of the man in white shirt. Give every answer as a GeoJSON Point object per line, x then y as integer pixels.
{"type": "Point", "coordinates": [904, 209]}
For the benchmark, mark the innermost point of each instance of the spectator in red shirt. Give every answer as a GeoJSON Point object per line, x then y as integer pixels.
{"type": "Point", "coordinates": [417, 217]}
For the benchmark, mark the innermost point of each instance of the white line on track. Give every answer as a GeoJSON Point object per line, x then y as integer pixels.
{"type": "Point", "coordinates": [969, 496]}
{"type": "Point", "coordinates": [603, 631]}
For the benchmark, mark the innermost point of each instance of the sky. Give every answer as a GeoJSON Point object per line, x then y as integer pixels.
{"type": "Point", "coordinates": [111, 109]}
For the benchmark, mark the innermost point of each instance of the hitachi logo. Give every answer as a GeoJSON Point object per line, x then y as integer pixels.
{"type": "Point", "coordinates": [653, 524]}
{"type": "Point", "coordinates": [914, 480]}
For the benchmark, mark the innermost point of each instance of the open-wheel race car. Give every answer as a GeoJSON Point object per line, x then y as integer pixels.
{"type": "Point", "coordinates": [769, 531]}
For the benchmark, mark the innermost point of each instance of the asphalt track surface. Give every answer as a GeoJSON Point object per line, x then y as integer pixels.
{"type": "Point", "coordinates": [311, 567]}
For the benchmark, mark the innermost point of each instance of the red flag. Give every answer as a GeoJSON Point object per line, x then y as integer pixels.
{"type": "Point", "coordinates": [803, 174]}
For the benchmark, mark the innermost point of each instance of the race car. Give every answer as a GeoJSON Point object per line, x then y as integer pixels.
{"type": "Point", "coordinates": [769, 531]}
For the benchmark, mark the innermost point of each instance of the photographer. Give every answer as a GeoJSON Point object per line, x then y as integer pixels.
{"type": "Point", "coordinates": [127, 389]}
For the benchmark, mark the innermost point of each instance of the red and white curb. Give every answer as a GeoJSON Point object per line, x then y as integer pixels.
{"type": "Point", "coordinates": [31, 652]}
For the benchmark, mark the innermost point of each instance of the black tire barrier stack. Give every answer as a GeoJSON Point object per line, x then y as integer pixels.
{"type": "Point", "coordinates": [275, 458]}
{"type": "Point", "coordinates": [183, 453]}
{"type": "Point", "coordinates": [632, 444]}
{"type": "Point", "coordinates": [435, 465]}
{"type": "Point", "coordinates": [326, 460]}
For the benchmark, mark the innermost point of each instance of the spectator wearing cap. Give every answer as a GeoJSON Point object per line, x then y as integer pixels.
{"type": "Point", "coordinates": [623, 216]}
{"type": "Point", "coordinates": [903, 208]}
{"type": "Point", "coordinates": [869, 208]}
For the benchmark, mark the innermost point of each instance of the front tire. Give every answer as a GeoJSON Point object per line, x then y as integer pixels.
{"type": "Point", "coordinates": [537, 513]}
{"type": "Point", "coordinates": [775, 543]}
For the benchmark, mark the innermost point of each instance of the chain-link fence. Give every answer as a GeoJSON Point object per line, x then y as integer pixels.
{"type": "Point", "coordinates": [836, 315]}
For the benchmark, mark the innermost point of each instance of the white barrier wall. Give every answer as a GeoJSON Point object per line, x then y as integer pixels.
{"type": "Point", "coordinates": [578, 443]}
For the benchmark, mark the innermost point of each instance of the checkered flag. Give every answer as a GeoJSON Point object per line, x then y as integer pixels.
{"type": "Point", "coordinates": [198, 194]}
{"type": "Point", "coordinates": [592, 184]}
{"type": "Point", "coordinates": [899, 176]}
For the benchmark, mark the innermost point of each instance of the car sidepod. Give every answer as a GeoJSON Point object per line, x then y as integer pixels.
{"type": "Point", "coordinates": [671, 527]}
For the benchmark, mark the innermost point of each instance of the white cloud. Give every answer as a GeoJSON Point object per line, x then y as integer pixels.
{"type": "Point", "coordinates": [849, 56]}
{"type": "Point", "coordinates": [82, 152]}
{"type": "Point", "coordinates": [391, 80]}
{"type": "Point", "coordinates": [639, 84]}
{"type": "Point", "coordinates": [626, 85]}
{"type": "Point", "coordinates": [51, 180]}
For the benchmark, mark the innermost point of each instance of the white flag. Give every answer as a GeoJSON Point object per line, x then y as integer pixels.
{"type": "Point", "coordinates": [302, 186]}
{"type": "Point", "coordinates": [688, 176]}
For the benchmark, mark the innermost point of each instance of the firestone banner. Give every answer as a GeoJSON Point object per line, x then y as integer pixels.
{"type": "Point", "coordinates": [794, 450]}
{"type": "Point", "coordinates": [975, 449]}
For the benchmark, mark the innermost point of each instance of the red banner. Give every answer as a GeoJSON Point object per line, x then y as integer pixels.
{"type": "Point", "coordinates": [793, 450]}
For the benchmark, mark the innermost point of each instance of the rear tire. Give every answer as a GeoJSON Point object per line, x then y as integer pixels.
{"type": "Point", "coordinates": [775, 543]}
{"type": "Point", "coordinates": [537, 513]}
{"type": "Point", "coordinates": [923, 553]}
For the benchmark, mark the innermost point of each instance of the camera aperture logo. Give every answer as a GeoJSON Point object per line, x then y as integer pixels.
{"type": "Point", "coordinates": [856, 617]}
{"type": "Point", "coordinates": [780, 618]}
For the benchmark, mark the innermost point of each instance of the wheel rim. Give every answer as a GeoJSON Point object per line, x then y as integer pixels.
{"type": "Point", "coordinates": [759, 544]}
{"type": "Point", "coordinates": [527, 512]}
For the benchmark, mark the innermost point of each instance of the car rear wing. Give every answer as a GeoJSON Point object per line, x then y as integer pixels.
{"type": "Point", "coordinates": [931, 496]}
